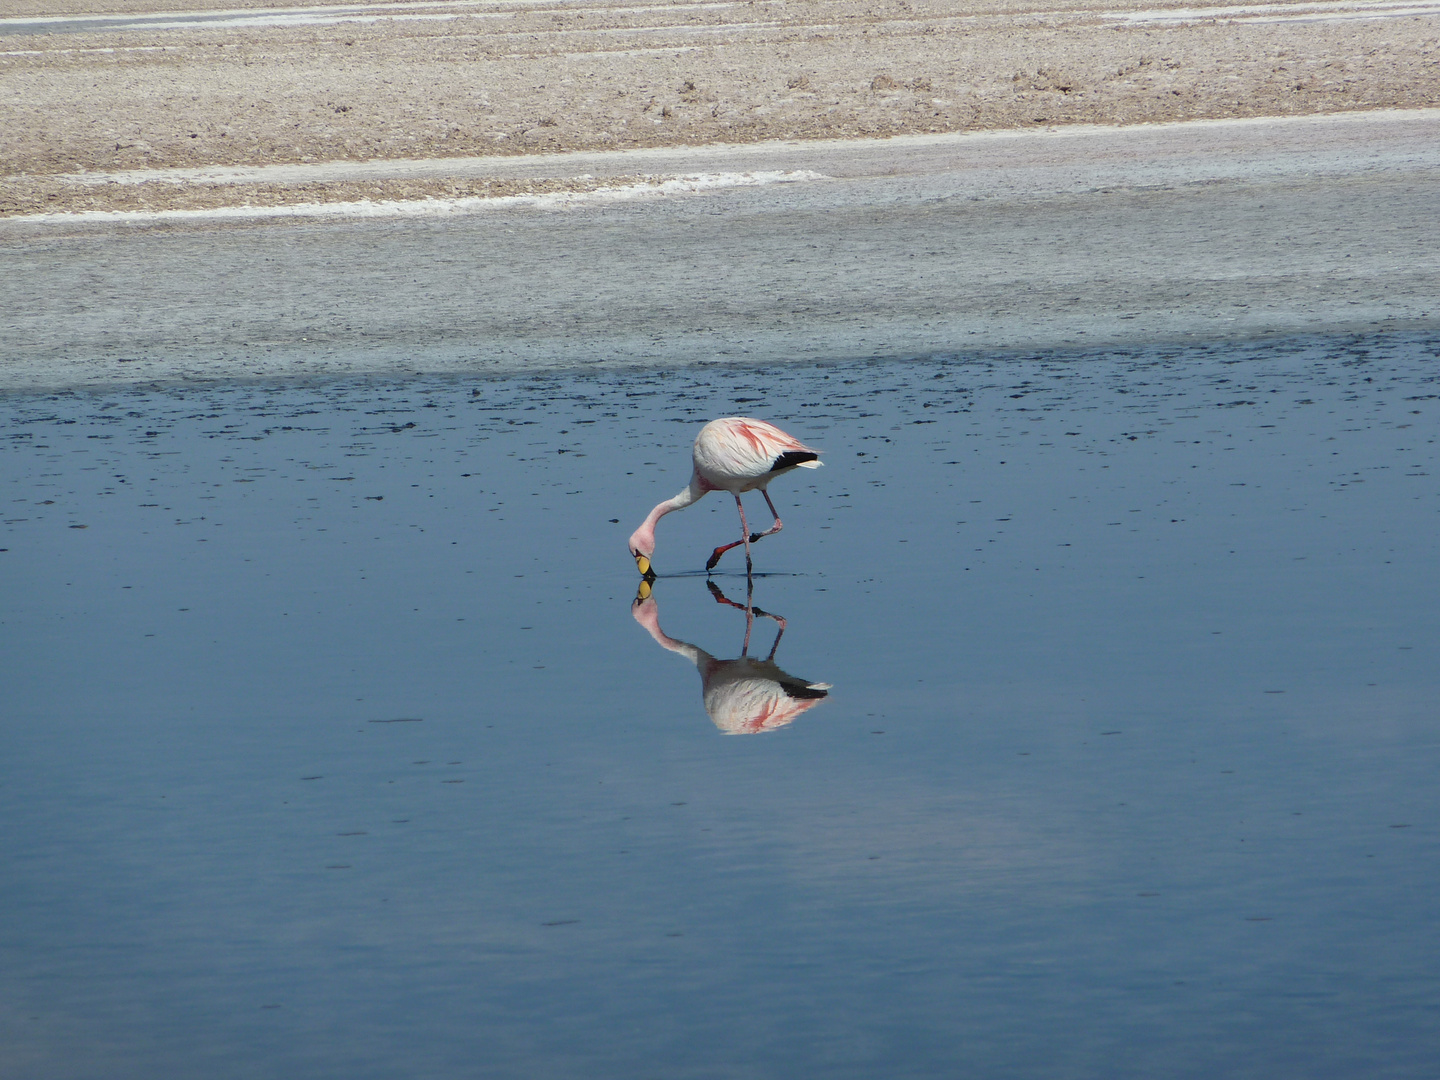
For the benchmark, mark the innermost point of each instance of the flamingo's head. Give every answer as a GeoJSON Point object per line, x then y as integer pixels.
{"type": "Point", "coordinates": [642, 547]}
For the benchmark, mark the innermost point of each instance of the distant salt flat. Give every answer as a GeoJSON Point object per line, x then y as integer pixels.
{"type": "Point", "coordinates": [1383, 9]}
{"type": "Point", "coordinates": [329, 14]}
{"type": "Point", "coordinates": [441, 207]}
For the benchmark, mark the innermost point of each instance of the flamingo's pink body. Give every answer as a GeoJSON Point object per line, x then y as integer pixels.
{"type": "Point", "coordinates": [734, 454]}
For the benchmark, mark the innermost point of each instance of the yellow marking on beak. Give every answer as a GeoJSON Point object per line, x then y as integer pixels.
{"type": "Point", "coordinates": [642, 564]}
{"type": "Point", "coordinates": [643, 593]}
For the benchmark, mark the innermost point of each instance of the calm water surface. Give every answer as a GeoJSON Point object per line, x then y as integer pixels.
{"type": "Point", "coordinates": [335, 745]}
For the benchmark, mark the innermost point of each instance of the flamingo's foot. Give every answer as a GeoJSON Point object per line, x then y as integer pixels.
{"type": "Point", "coordinates": [714, 558]}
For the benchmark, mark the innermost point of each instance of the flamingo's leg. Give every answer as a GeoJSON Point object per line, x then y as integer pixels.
{"type": "Point", "coordinates": [744, 539]}
{"type": "Point", "coordinates": [775, 513]}
{"type": "Point", "coordinates": [745, 535]}
{"type": "Point", "coordinates": [715, 555]}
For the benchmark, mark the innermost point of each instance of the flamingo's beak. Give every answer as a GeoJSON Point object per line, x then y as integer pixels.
{"type": "Point", "coordinates": [643, 593]}
{"type": "Point", "coordinates": [642, 563]}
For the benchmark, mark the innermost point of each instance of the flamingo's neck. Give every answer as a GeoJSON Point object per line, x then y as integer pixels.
{"type": "Point", "coordinates": [643, 539]}
{"type": "Point", "coordinates": [679, 502]}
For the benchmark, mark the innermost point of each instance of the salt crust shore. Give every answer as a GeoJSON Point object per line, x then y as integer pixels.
{"type": "Point", "coordinates": [1124, 237]}
{"type": "Point", "coordinates": [561, 195]}
{"type": "Point", "coordinates": [251, 189]}
{"type": "Point", "coordinates": [1033, 161]}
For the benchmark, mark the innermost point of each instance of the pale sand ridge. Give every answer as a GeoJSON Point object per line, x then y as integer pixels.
{"type": "Point", "coordinates": [134, 86]}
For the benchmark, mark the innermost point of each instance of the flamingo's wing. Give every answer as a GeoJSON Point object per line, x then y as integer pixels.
{"type": "Point", "coordinates": [743, 448]}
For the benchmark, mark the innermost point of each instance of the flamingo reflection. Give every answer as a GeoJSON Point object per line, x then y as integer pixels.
{"type": "Point", "coordinates": [744, 696]}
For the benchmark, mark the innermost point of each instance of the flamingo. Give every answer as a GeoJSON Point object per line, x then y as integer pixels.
{"type": "Point", "coordinates": [744, 696]}
{"type": "Point", "coordinates": [734, 454]}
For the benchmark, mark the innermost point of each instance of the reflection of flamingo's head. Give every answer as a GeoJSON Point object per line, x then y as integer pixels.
{"type": "Point", "coordinates": [746, 696]}
{"type": "Point", "coordinates": [645, 610]}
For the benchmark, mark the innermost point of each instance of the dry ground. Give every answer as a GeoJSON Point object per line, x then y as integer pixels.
{"type": "Point", "coordinates": [464, 78]}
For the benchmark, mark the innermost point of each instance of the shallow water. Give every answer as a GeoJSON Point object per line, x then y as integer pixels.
{"type": "Point", "coordinates": [334, 747]}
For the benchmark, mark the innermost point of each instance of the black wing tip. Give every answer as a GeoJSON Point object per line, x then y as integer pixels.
{"type": "Point", "coordinates": [791, 458]}
{"type": "Point", "coordinates": [801, 692]}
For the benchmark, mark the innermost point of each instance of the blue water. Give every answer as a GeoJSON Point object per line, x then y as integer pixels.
{"type": "Point", "coordinates": [333, 746]}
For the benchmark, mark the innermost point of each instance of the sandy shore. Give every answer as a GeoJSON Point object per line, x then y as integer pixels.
{"type": "Point", "coordinates": [903, 247]}
{"type": "Point", "coordinates": [130, 86]}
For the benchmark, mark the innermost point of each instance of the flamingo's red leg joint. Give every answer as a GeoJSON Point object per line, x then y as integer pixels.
{"type": "Point", "coordinates": [715, 555]}
{"type": "Point", "coordinates": [773, 528]}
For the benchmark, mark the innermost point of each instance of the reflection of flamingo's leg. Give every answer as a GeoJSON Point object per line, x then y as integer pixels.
{"type": "Point", "coordinates": [750, 612]}
{"type": "Point", "coordinates": [749, 595]}
{"type": "Point", "coordinates": [720, 597]}
{"type": "Point", "coordinates": [778, 618]}
{"type": "Point", "coordinates": [744, 539]}
{"type": "Point", "coordinates": [778, 635]}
